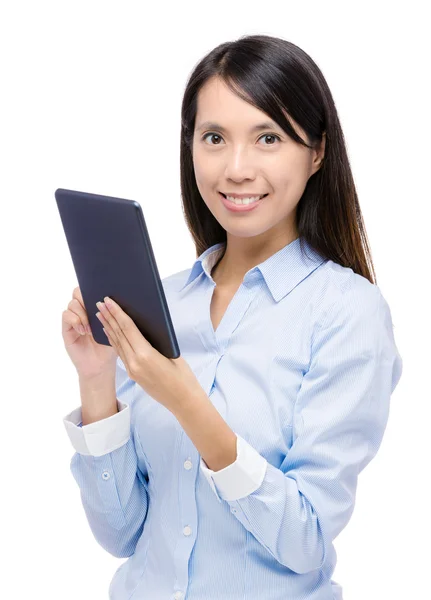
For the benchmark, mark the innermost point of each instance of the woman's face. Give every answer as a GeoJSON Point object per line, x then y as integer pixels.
{"type": "Point", "coordinates": [239, 159]}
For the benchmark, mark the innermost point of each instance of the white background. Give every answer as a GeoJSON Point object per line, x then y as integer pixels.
{"type": "Point", "coordinates": [90, 100]}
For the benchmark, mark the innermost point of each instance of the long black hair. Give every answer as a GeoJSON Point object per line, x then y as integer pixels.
{"type": "Point", "coordinates": [279, 78]}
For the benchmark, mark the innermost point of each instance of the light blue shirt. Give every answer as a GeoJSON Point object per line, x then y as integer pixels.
{"type": "Point", "coordinates": [301, 367]}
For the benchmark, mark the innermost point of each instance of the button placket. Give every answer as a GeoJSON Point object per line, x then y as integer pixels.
{"type": "Point", "coordinates": [235, 311]}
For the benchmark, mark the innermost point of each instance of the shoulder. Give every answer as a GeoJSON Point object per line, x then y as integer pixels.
{"type": "Point", "coordinates": [345, 295]}
{"type": "Point", "coordinates": [354, 324]}
{"type": "Point", "coordinates": [174, 281]}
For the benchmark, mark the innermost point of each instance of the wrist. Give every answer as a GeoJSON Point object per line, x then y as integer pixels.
{"type": "Point", "coordinates": [101, 380]}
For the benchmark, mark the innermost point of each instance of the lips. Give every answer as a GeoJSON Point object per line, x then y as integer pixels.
{"type": "Point", "coordinates": [241, 208]}
{"type": "Point", "coordinates": [251, 196]}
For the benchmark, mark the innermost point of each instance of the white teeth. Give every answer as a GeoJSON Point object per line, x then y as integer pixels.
{"type": "Point", "coordinates": [244, 200]}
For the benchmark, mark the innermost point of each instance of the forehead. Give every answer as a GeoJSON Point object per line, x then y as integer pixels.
{"type": "Point", "coordinates": [217, 102]}
{"type": "Point", "coordinates": [218, 107]}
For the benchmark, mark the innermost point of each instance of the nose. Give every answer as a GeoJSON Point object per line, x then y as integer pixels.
{"type": "Point", "coordinates": [239, 165]}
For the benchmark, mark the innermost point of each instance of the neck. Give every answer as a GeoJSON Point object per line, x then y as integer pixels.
{"type": "Point", "coordinates": [241, 255]}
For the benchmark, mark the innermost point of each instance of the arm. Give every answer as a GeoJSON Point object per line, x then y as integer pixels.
{"type": "Point", "coordinates": [114, 492]}
{"type": "Point", "coordinates": [340, 416]}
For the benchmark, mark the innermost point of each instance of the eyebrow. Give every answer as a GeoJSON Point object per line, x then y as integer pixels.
{"type": "Point", "coordinates": [258, 127]}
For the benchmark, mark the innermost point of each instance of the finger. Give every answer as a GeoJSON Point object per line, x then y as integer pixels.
{"type": "Point", "coordinates": [115, 329]}
{"type": "Point", "coordinates": [124, 326]}
{"type": "Point", "coordinates": [78, 296]}
{"type": "Point", "coordinates": [116, 348]}
{"type": "Point", "coordinates": [110, 340]}
{"type": "Point", "coordinates": [76, 307]}
{"type": "Point", "coordinates": [110, 334]}
{"type": "Point", "coordinates": [119, 351]}
{"type": "Point", "coordinates": [71, 321]}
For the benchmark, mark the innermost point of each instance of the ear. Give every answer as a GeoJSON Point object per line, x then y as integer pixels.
{"type": "Point", "coordinates": [319, 154]}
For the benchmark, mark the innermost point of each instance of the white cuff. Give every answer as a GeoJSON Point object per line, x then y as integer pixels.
{"type": "Point", "coordinates": [242, 477]}
{"type": "Point", "coordinates": [100, 437]}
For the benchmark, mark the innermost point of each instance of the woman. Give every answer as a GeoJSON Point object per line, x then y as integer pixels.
{"type": "Point", "coordinates": [240, 495]}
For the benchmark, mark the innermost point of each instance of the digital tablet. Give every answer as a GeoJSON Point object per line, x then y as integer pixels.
{"type": "Point", "coordinates": [112, 256]}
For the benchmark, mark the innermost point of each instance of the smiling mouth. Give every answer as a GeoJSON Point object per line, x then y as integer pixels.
{"type": "Point", "coordinates": [260, 198]}
{"type": "Point", "coordinates": [261, 195]}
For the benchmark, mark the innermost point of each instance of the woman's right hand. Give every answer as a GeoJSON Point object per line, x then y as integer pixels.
{"type": "Point", "coordinates": [90, 358]}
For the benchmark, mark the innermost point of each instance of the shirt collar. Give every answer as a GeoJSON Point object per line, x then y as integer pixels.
{"type": "Point", "coordinates": [281, 272]}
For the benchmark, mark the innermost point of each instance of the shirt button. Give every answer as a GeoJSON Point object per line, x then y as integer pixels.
{"type": "Point", "coordinates": [233, 510]}
{"type": "Point", "coordinates": [178, 595]}
{"type": "Point", "coordinates": [106, 475]}
{"type": "Point", "coordinates": [188, 465]}
{"type": "Point", "coordinates": [187, 530]}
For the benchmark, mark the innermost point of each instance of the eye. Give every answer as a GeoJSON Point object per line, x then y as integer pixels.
{"type": "Point", "coordinates": [265, 135]}
{"type": "Point", "coordinates": [270, 135]}
{"type": "Point", "coordinates": [211, 133]}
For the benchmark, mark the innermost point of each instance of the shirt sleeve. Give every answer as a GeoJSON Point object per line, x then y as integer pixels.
{"type": "Point", "coordinates": [340, 415]}
{"type": "Point", "coordinates": [240, 478]}
{"type": "Point", "coordinates": [100, 437]}
{"type": "Point", "coordinates": [113, 489]}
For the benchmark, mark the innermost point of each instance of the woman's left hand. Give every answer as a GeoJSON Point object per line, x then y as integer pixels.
{"type": "Point", "coordinates": [170, 381]}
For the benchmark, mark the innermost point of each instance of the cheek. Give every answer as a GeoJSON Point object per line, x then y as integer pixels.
{"type": "Point", "coordinates": [199, 168]}
{"type": "Point", "coordinates": [205, 176]}
{"type": "Point", "coordinates": [290, 178]}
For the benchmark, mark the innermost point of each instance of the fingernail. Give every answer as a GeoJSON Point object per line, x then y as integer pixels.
{"type": "Point", "coordinates": [81, 329]}
{"type": "Point", "coordinates": [88, 328]}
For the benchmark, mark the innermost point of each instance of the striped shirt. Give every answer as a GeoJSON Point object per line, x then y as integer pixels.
{"type": "Point", "coordinates": [301, 367]}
